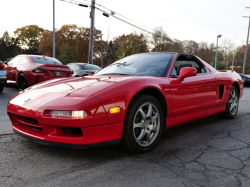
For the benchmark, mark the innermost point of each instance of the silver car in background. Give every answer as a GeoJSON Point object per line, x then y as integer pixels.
{"type": "Point", "coordinates": [83, 69]}
{"type": "Point", "coordinates": [3, 76]}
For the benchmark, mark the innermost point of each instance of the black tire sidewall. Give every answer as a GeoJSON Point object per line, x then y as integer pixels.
{"type": "Point", "coordinates": [24, 80]}
{"type": "Point", "coordinates": [135, 104]}
{"type": "Point", "coordinates": [1, 87]}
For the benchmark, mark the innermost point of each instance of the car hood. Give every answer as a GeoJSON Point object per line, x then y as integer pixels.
{"type": "Point", "coordinates": [64, 92]}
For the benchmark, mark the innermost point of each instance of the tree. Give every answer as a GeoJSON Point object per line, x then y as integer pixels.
{"type": "Point", "coordinates": [66, 54]}
{"type": "Point", "coordinates": [9, 46]}
{"type": "Point", "coordinates": [77, 38]}
{"type": "Point", "coordinates": [29, 37]}
{"type": "Point", "coordinates": [221, 66]}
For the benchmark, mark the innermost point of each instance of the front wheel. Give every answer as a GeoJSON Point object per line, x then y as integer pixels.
{"type": "Point", "coordinates": [232, 104]}
{"type": "Point", "coordinates": [143, 124]}
{"type": "Point", "coordinates": [21, 82]}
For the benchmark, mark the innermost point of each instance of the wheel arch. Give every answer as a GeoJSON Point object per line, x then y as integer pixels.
{"type": "Point", "coordinates": [158, 95]}
{"type": "Point", "coordinates": [236, 84]}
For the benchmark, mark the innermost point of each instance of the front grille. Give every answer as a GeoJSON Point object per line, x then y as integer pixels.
{"type": "Point", "coordinates": [27, 122]}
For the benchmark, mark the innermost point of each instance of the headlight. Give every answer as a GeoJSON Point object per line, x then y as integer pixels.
{"type": "Point", "coordinates": [73, 114]}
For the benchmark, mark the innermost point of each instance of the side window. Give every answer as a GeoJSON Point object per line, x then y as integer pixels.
{"type": "Point", "coordinates": [14, 61]}
{"type": "Point", "coordinates": [76, 68]}
{"type": "Point", "coordinates": [23, 61]}
{"type": "Point", "coordinates": [71, 66]}
{"type": "Point", "coordinates": [188, 61]}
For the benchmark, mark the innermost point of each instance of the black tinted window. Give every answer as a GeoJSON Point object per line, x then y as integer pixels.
{"type": "Point", "coordinates": [42, 60]}
{"type": "Point", "coordinates": [90, 67]}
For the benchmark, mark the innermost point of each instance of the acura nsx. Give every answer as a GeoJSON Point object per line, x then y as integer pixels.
{"type": "Point", "coordinates": [129, 102]}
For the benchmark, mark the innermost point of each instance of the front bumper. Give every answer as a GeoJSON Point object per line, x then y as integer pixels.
{"type": "Point", "coordinates": [108, 143]}
{"type": "Point", "coordinates": [79, 132]}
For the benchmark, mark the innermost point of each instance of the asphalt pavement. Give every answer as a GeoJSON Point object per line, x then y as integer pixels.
{"type": "Point", "coordinates": [209, 152]}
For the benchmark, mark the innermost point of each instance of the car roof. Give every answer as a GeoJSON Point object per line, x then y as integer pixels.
{"type": "Point", "coordinates": [36, 56]}
{"type": "Point", "coordinates": [81, 63]}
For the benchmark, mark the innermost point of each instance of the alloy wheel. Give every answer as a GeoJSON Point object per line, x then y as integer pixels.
{"type": "Point", "coordinates": [146, 124]}
{"type": "Point", "coordinates": [233, 102]}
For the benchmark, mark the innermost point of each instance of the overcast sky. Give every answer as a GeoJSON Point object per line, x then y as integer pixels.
{"type": "Point", "coordinates": [198, 20]}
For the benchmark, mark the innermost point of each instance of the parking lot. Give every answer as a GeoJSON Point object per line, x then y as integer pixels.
{"type": "Point", "coordinates": [208, 152]}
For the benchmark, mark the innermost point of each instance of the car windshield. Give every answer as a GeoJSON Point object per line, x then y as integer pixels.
{"type": "Point", "coordinates": [42, 60]}
{"type": "Point", "coordinates": [147, 64]}
{"type": "Point", "coordinates": [89, 67]}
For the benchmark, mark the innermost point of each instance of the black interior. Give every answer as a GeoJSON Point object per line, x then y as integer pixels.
{"type": "Point", "coordinates": [183, 61]}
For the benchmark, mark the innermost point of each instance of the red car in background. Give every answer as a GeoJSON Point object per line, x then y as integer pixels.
{"type": "Point", "coordinates": [27, 70]}
{"type": "Point", "coordinates": [130, 102]}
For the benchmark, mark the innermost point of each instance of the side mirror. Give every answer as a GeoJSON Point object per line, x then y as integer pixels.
{"type": "Point", "coordinates": [91, 73]}
{"type": "Point", "coordinates": [187, 72]}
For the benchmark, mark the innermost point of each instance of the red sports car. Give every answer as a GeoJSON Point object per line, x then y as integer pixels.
{"type": "Point", "coordinates": [129, 102]}
{"type": "Point", "coordinates": [27, 70]}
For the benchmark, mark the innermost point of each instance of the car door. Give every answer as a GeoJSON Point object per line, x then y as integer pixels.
{"type": "Point", "coordinates": [194, 95]}
{"type": "Point", "coordinates": [11, 69]}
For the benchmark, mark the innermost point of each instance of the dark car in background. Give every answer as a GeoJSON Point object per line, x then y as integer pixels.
{"type": "Point", "coordinates": [83, 69]}
{"type": "Point", "coordinates": [27, 70]}
{"type": "Point", "coordinates": [245, 79]}
{"type": "Point", "coordinates": [3, 76]}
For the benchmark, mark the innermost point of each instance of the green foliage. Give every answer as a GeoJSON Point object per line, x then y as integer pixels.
{"type": "Point", "coordinates": [9, 46]}
{"type": "Point", "coordinates": [30, 37]}
{"type": "Point", "coordinates": [66, 55]}
{"type": "Point", "coordinates": [221, 66]}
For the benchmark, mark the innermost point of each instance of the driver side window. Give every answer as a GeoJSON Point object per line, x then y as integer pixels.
{"type": "Point", "coordinates": [184, 61]}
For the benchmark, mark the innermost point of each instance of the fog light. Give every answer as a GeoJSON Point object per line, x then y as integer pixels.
{"type": "Point", "coordinates": [114, 110]}
{"type": "Point", "coordinates": [73, 114]}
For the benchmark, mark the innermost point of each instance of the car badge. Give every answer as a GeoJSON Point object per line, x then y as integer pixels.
{"type": "Point", "coordinates": [58, 68]}
{"type": "Point", "coordinates": [27, 100]}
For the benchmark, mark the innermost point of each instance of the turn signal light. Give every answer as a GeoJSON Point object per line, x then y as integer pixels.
{"type": "Point", "coordinates": [114, 110]}
{"type": "Point", "coordinates": [73, 114]}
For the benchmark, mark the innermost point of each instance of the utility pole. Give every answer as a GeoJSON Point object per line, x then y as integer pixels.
{"type": "Point", "coordinates": [234, 49]}
{"type": "Point", "coordinates": [216, 51]}
{"type": "Point", "coordinates": [92, 30]}
{"type": "Point", "coordinates": [54, 40]}
{"type": "Point", "coordinates": [102, 53]}
{"type": "Point", "coordinates": [245, 57]}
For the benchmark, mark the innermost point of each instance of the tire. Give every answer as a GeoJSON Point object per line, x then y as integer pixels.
{"type": "Point", "coordinates": [21, 82]}
{"type": "Point", "coordinates": [142, 129]}
{"type": "Point", "coordinates": [1, 87]}
{"type": "Point", "coordinates": [232, 104]}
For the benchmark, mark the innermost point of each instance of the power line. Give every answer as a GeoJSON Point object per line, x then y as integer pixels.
{"type": "Point", "coordinates": [225, 7]}
{"type": "Point", "coordinates": [199, 15]}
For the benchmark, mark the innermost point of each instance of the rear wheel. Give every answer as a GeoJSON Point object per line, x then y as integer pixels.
{"type": "Point", "coordinates": [21, 82]}
{"type": "Point", "coordinates": [143, 124]}
{"type": "Point", "coordinates": [232, 104]}
{"type": "Point", "coordinates": [1, 87]}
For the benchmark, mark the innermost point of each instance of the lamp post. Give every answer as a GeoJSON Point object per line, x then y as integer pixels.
{"type": "Point", "coordinates": [245, 57]}
{"type": "Point", "coordinates": [54, 40]}
{"type": "Point", "coordinates": [102, 53]}
{"type": "Point", "coordinates": [216, 50]}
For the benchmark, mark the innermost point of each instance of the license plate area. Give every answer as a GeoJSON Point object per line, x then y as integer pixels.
{"type": "Point", "coordinates": [57, 73]}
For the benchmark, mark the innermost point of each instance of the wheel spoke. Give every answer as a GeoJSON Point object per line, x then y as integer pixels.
{"type": "Point", "coordinates": [231, 107]}
{"type": "Point", "coordinates": [149, 113]}
{"type": "Point", "coordinates": [154, 117]}
{"type": "Point", "coordinates": [230, 101]}
{"type": "Point", "coordinates": [143, 114]}
{"type": "Point", "coordinates": [139, 125]}
{"type": "Point", "coordinates": [233, 94]}
{"type": "Point", "coordinates": [154, 129]}
{"type": "Point", "coordinates": [143, 132]}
